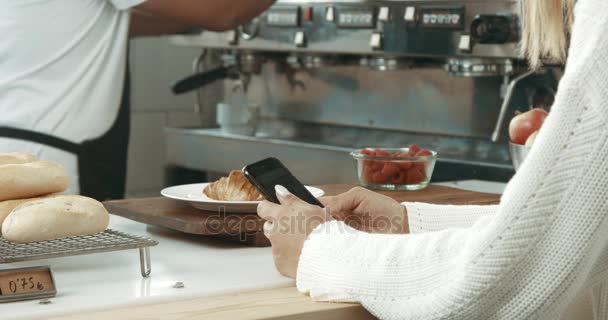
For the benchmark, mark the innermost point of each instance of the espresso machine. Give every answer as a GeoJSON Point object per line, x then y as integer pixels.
{"type": "Point", "coordinates": [331, 76]}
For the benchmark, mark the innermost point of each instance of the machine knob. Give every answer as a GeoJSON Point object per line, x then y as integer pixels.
{"type": "Point", "coordinates": [250, 30]}
{"type": "Point", "coordinates": [494, 29]}
{"type": "Point", "coordinates": [384, 14]}
{"type": "Point", "coordinates": [330, 14]}
{"type": "Point", "coordinates": [300, 39]}
{"type": "Point", "coordinates": [376, 41]}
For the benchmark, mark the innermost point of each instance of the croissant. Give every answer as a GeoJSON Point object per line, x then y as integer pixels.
{"type": "Point", "coordinates": [235, 187]}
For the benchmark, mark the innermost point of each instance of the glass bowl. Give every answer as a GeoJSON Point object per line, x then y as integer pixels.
{"type": "Point", "coordinates": [518, 154]}
{"type": "Point", "coordinates": [393, 168]}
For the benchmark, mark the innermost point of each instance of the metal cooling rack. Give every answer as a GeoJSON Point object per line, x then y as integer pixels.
{"type": "Point", "coordinates": [107, 241]}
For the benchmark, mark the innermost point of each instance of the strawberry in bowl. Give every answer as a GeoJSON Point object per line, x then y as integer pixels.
{"type": "Point", "coordinates": [395, 168]}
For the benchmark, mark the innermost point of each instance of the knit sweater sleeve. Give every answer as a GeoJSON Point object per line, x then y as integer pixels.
{"type": "Point", "coordinates": [425, 217]}
{"type": "Point", "coordinates": [525, 262]}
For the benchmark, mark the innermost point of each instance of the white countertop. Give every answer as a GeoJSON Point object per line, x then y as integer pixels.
{"type": "Point", "coordinates": [99, 281]}
{"type": "Point", "coordinates": [205, 266]}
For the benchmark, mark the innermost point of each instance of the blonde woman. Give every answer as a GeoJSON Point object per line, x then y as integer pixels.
{"type": "Point", "coordinates": [526, 258]}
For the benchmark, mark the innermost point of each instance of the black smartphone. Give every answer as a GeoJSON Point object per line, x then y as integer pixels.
{"type": "Point", "coordinates": [267, 173]}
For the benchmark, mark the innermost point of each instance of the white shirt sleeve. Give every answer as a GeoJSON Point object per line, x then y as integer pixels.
{"type": "Point", "coordinates": [526, 261]}
{"type": "Point", "coordinates": [126, 4]}
{"type": "Point", "coordinates": [425, 217]}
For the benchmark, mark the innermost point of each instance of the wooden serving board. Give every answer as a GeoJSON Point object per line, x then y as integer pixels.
{"type": "Point", "coordinates": [246, 228]}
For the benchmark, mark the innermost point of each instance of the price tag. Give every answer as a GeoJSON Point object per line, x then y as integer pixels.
{"type": "Point", "coordinates": [26, 284]}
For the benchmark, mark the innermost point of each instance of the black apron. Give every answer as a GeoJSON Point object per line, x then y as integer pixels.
{"type": "Point", "coordinates": [102, 162]}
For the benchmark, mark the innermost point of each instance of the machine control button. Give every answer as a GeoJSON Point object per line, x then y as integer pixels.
{"type": "Point", "coordinates": [283, 17]}
{"type": "Point", "coordinates": [384, 14]}
{"type": "Point", "coordinates": [356, 18]}
{"type": "Point", "coordinates": [478, 68]}
{"type": "Point", "coordinates": [410, 14]}
{"type": "Point", "coordinates": [300, 39]}
{"type": "Point", "coordinates": [307, 14]}
{"type": "Point", "coordinates": [376, 41]}
{"type": "Point", "coordinates": [330, 14]}
{"type": "Point", "coordinates": [448, 18]}
{"type": "Point", "coordinates": [464, 44]}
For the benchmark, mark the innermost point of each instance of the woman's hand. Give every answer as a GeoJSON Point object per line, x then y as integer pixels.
{"type": "Point", "coordinates": [368, 211]}
{"type": "Point", "coordinates": [287, 226]}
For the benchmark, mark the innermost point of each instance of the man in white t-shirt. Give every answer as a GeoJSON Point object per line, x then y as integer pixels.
{"type": "Point", "coordinates": [62, 75]}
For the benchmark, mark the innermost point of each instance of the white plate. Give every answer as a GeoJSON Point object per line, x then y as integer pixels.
{"type": "Point", "coordinates": [193, 193]}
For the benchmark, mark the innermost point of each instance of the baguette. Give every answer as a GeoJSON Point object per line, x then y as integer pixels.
{"type": "Point", "coordinates": [32, 179]}
{"type": "Point", "coordinates": [54, 218]}
{"type": "Point", "coordinates": [6, 207]}
{"type": "Point", "coordinates": [16, 158]}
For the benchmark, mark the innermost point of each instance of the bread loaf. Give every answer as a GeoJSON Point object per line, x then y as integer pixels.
{"type": "Point", "coordinates": [6, 207]}
{"type": "Point", "coordinates": [55, 218]}
{"type": "Point", "coordinates": [32, 179]}
{"type": "Point", "coordinates": [16, 158]}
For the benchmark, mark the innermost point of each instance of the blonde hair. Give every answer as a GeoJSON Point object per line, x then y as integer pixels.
{"type": "Point", "coordinates": [546, 29]}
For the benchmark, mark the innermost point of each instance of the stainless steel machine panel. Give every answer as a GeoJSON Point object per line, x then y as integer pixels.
{"type": "Point", "coordinates": [211, 149]}
{"type": "Point", "coordinates": [331, 76]}
{"type": "Point", "coordinates": [413, 100]}
{"type": "Point", "coordinates": [428, 28]}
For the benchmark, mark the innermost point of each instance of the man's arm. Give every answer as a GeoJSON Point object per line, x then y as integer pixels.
{"type": "Point", "coordinates": [178, 15]}
{"type": "Point", "coordinates": [144, 24]}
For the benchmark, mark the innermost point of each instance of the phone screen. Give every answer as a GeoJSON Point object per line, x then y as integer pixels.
{"type": "Point", "coordinates": [268, 173]}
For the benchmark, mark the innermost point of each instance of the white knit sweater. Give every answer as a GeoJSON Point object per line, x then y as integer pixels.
{"type": "Point", "coordinates": [524, 259]}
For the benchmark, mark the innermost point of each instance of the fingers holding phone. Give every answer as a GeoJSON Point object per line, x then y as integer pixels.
{"type": "Point", "coordinates": [287, 226]}
{"type": "Point", "coordinates": [368, 211]}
